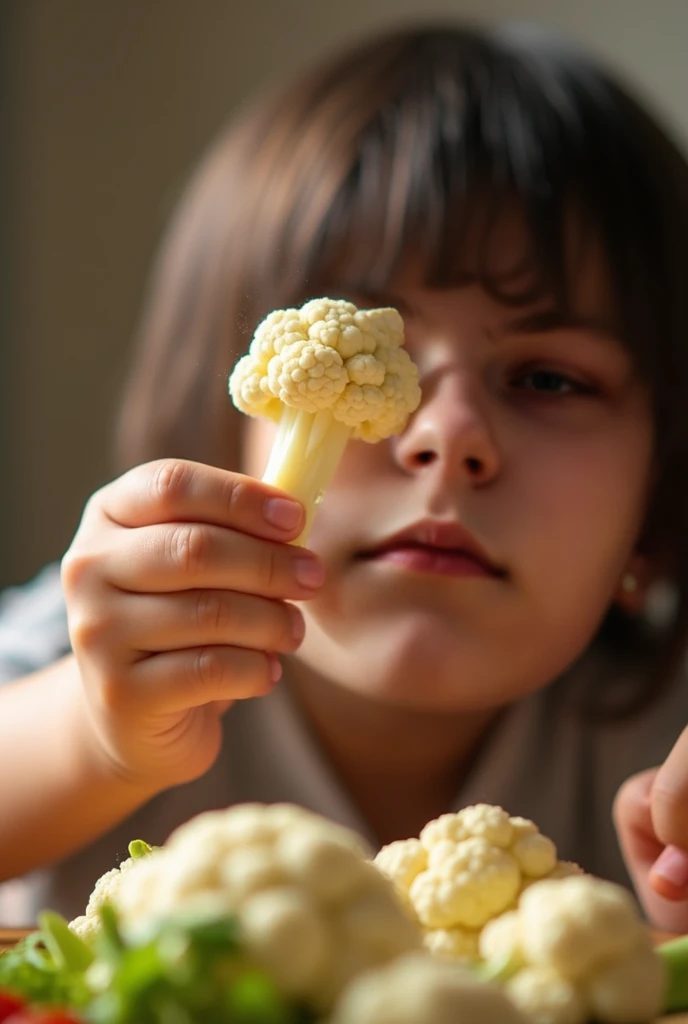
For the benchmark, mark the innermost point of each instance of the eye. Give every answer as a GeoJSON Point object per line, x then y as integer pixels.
{"type": "Point", "coordinates": [552, 382]}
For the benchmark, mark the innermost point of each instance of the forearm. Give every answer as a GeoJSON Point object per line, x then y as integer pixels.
{"type": "Point", "coordinates": [56, 793]}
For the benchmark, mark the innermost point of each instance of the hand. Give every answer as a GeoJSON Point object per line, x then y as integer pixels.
{"type": "Point", "coordinates": [177, 584]}
{"type": "Point", "coordinates": [651, 817]}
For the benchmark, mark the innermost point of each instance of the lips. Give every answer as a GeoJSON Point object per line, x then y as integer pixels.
{"type": "Point", "coordinates": [437, 547]}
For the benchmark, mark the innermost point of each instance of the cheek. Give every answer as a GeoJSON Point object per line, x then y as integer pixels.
{"type": "Point", "coordinates": [587, 505]}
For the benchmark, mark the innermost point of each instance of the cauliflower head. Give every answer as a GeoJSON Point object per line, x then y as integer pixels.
{"type": "Point", "coordinates": [312, 910]}
{"type": "Point", "coordinates": [580, 951]}
{"type": "Point", "coordinates": [418, 989]}
{"type": "Point", "coordinates": [465, 869]}
{"type": "Point", "coordinates": [330, 356]}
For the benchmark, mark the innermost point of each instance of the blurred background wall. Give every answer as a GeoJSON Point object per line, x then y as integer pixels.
{"type": "Point", "coordinates": [104, 107]}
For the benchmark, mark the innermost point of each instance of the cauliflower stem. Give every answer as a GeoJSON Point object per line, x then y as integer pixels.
{"type": "Point", "coordinates": [306, 451]}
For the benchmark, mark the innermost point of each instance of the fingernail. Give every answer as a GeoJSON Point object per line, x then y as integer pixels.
{"type": "Point", "coordinates": [298, 626]}
{"type": "Point", "coordinates": [672, 865]}
{"type": "Point", "coordinates": [309, 573]}
{"type": "Point", "coordinates": [282, 512]}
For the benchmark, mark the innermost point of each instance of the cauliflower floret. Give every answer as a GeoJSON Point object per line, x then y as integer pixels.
{"type": "Point", "coordinates": [575, 924]}
{"type": "Point", "coordinates": [417, 989]}
{"type": "Point", "coordinates": [325, 373]}
{"type": "Point", "coordinates": [500, 939]}
{"type": "Point", "coordinates": [311, 908]}
{"type": "Point", "coordinates": [453, 943]}
{"type": "Point", "coordinates": [467, 868]}
{"type": "Point", "coordinates": [577, 949]}
{"type": "Point", "coordinates": [329, 355]}
{"type": "Point", "coordinates": [87, 925]}
{"type": "Point", "coordinates": [629, 990]}
{"type": "Point", "coordinates": [465, 883]}
{"type": "Point", "coordinates": [544, 997]}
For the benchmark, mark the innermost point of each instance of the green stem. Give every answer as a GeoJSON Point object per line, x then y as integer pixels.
{"type": "Point", "coordinates": [139, 848]}
{"type": "Point", "coordinates": [675, 956]}
{"type": "Point", "coordinates": [305, 454]}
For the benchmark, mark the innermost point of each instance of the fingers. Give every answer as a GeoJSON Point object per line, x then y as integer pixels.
{"type": "Point", "coordinates": [198, 618]}
{"type": "Point", "coordinates": [641, 849]}
{"type": "Point", "coordinates": [633, 820]}
{"type": "Point", "coordinates": [173, 490]}
{"type": "Point", "coordinates": [174, 682]}
{"type": "Point", "coordinates": [669, 796]}
{"type": "Point", "coordinates": [183, 556]}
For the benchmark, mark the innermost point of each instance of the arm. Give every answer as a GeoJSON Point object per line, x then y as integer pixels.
{"type": "Point", "coordinates": [56, 793]}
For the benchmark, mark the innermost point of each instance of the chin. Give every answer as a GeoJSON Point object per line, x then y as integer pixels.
{"type": "Point", "coordinates": [422, 673]}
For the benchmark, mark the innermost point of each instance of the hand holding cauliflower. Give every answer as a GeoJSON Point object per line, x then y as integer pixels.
{"type": "Point", "coordinates": [325, 373]}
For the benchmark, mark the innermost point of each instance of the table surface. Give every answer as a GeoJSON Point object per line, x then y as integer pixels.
{"type": "Point", "coordinates": [8, 937]}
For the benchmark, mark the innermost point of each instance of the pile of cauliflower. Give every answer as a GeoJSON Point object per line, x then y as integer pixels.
{"type": "Point", "coordinates": [475, 921]}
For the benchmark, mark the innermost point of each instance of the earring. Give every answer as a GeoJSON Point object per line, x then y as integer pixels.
{"type": "Point", "coordinates": [629, 583]}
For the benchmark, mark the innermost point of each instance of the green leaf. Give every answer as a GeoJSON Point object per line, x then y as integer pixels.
{"type": "Point", "coordinates": [68, 951]}
{"type": "Point", "coordinates": [110, 943]}
{"type": "Point", "coordinates": [29, 970]}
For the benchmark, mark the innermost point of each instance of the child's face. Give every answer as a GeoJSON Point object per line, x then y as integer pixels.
{"type": "Point", "coordinates": [538, 443]}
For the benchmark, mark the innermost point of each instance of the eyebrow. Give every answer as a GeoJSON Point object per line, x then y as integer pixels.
{"type": "Point", "coordinates": [553, 319]}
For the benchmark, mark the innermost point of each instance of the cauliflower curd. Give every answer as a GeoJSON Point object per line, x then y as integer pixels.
{"type": "Point", "coordinates": [465, 869]}
{"type": "Point", "coordinates": [578, 950]}
{"type": "Point", "coordinates": [325, 373]}
{"type": "Point", "coordinates": [417, 989]}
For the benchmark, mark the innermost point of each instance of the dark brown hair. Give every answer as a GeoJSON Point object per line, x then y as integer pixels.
{"type": "Point", "coordinates": [399, 146]}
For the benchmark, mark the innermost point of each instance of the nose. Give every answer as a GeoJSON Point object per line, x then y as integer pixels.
{"type": "Point", "coordinates": [451, 432]}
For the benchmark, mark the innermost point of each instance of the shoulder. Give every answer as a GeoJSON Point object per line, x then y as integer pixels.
{"type": "Point", "coordinates": [33, 625]}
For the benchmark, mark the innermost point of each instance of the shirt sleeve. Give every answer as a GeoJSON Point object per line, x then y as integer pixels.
{"type": "Point", "coordinates": [33, 625]}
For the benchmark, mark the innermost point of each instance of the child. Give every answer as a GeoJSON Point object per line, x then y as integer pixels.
{"type": "Point", "coordinates": [476, 600]}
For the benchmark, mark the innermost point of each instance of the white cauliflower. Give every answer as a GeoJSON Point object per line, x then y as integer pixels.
{"type": "Point", "coordinates": [87, 925]}
{"type": "Point", "coordinates": [546, 997]}
{"type": "Point", "coordinates": [417, 989]}
{"type": "Point", "coordinates": [465, 869]}
{"type": "Point", "coordinates": [325, 373]}
{"type": "Point", "coordinates": [311, 909]}
{"type": "Point", "coordinates": [580, 951]}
